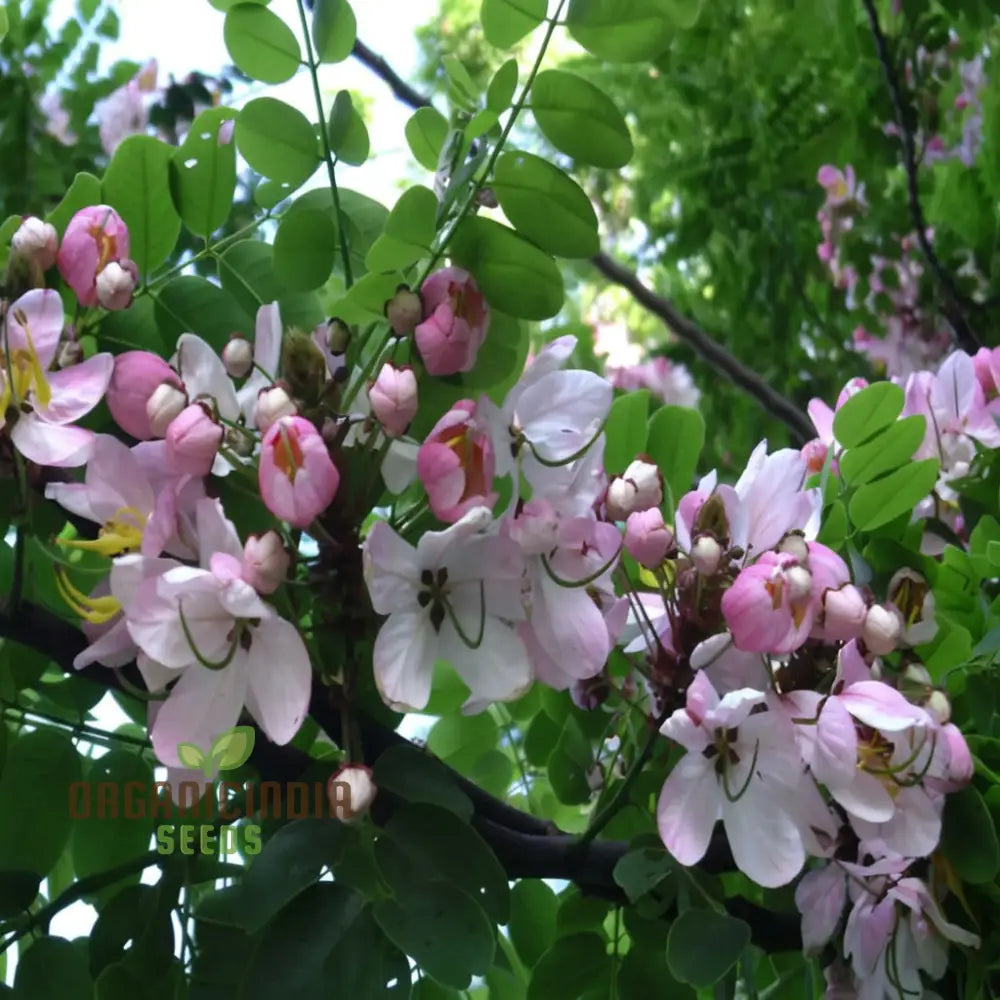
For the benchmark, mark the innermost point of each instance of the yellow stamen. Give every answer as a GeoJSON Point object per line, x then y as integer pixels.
{"type": "Point", "coordinates": [96, 610]}
{"type": "Point", "coordinates": [119, 535]}
{"type": "Point", "coordinates": [26, 372]}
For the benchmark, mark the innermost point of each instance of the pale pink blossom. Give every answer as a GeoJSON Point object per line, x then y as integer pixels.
{"type": "Point", "coordinates": [639, 487]}
{"type": "Point", "coordinates": [647, 538]}
{"type": "Point", "coordinates": [265, 562]}
{"type": "Point", "coordinates": [116, 283]}
{"type": "Point", "coordinates": [193, 440]}
{"type": "Point", "coordinates": [393, 398]}
{"type": "Point", "coordinates": [36, 240]}
{"type": "Point", "coordinates": [95, 237]}
{"type": "Point", "coordinates": [457, 319]}
{"type": "Point", "coordinates": [136, 377]}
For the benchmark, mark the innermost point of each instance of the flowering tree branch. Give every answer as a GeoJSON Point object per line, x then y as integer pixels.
{"type": "Point", "coordinates": [526, 846]}
{"type": "Point", "coordinates": [707, 348]}
{"type": "Point", "coordinates": [954, 299]}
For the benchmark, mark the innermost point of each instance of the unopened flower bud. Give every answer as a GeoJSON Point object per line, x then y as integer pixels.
{"type": "Point", "coordinates": [595, 778]}
{"type": "Point", "coordinates": [800, 583]}
{"type": "Point", "coordinates": [116, 283]}
{"type": "Point", "coordinates": [795, 545]}
{"type": "Point", "coordinates": [883, 627]}
{"type": "Point", "coordinates": [237, 356]}
{"type": "Point", "coordinates": [911, 594]}
{"type": "Point", "coordinates": [304, 366]}
{"type": "Point", "coordinates": [338, 336]}
{"type": "Point", "coordinates": [404, 311]}
{"type": "Point", "coordinates": [844, 612]}
{"type": "Point", "coordinates": [273, 404]}
{"type": "Point", "coordinates": [265, 562]}
{"type": "Point", "coordinates": [647, 538]}
{"type": "Point", "coordinates": [36, 240]}
{"type": "Point", "coordinates": [166, 403]}
{"type": "Point", "coordinates": [638, 488]}
{"type": "Point", "coordinates": [939, 707]}
{"type": "Point", "coordinates": [193, 440]}
{"type": "Point", "coordinates": [70, 353]}
{"type": "Point", "coordinates": [351, 791]}
{"type": "Point", "coordinates": [393, 398]}
{"type": "Point", "coordinates": [706, 554]}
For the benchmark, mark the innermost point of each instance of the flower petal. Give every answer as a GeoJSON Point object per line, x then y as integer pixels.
{"type": "Point", "coordinates": [280, 679]}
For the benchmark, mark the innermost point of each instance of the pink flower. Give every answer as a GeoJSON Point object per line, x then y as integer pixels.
{"type": "Point", "coordinates": [456, 464]}
{"type": "Point", "coordinates": [298, 479]}
{"type": "Point", "coordinates": [45, 404]}
{"type": "Point", "coordinates": [116, 283]}
{"type": "Point", "coordinates": [351, 790]}
{"type": "Point", "coordinates": [741, 767]}
{"type": "Point", "coordinates": [36, 240]}
{"type": "Point", "coordinates": [193, 440]}
{"type": "Point", "coordinates": [265, 562]}
{"type": "Point", "coordinates": [456, 324]}
{"type": "Point", "coordinates": [94, 238]}
{"type": "Point", "coordinates": [122, 114]}
{"type": "Point", "coordinates": [638, 488]}
{"type": "Point", "coordinates": [393, 398]}
{"type": "Point", "coordinates": [647, 538]}
{"type": "Point", "coordinates": [136, 377]}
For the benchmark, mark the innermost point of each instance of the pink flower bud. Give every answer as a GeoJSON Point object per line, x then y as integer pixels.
{"type": "Point", "coordinates": [193, 440]}
{"type": "Point", "coordinates": [297, 477]}
{"type": "Point", "coordinates": [986, 363]}
{"type": "Point", "coordinates": [237, 356]}
{"type": "Point", "coordinates": [393, 396]}
{"type": "Point", "coordinates": [36, 240]}
{"type": "Point", "coordinates": [116, 283]}
{"type": "Point", "coordinates": [882, 629]}
{"type": "Point", "coordinates": [94, 238]}
{"type": "Point", "coordinates": [638, 488]}
{"type": "Point", "coordinates": [456, 464]}
{"type": "Point", "coordinates": [404, 311]}
{"type": "Point", "coordinates": [137, 375]}
{"type": "Point", "coordinates": [351, 791]}
{"type": "Point", "coordinates": [265, 562]}
{"type": "Point", "coordinates": [273, 404]}
{"type": "Point", "coordinates": [647, 538]}
{"type": "Point", "coordinates": [844, 613]}
{"type": "Point", "coordinates": [457, 319]}
{"type": "Point", "coordinates": [166, 403]}
{"type": "Point", "coordinates": [706, 554]}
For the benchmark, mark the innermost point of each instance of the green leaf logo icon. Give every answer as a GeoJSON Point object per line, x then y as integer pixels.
{"type": "Point", "coordinates": [191, 756]}
{"type": "Point", "coordinates": [232, 747]}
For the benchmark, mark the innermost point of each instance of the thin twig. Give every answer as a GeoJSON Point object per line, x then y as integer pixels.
{"type": "Point", "coordinates": [954, 299]}
{"type": "Point", "coordinates": [708, 349]}
{"type": "Point", "coordinates": [400, 88]}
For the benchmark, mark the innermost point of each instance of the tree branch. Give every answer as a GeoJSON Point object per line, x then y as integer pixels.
{"type": "Point", "coordinates": [954, 300]}
{"type": "Point", "coordinates": [400, 88]}
{"type": "Point", "coordinates": [708, 349]}
{"type": "Point", "coordinates": [526, 846]}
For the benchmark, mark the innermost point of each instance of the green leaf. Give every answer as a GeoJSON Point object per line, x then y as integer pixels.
{"type": "Point", "coordinates": [417, 777]}
{"type": "Point", "coordinates": [704, 945]}
{"type": "Point", "coordinates": [546, 205]}
{"type": "Point", "coordinates": [885, 499]}
{"type": "Point", "coordinates": [277, 141]}
{"type": "Point", "coordinates": [514, 275]}
{"type": "Point", "coordinates": [334, 30]}
{"type": "Point", "coordinates": [191, 756]}
{"type": "Point", "coordinates": [674, 442]}
{"type": "Point", "coordinates": [643, 973]}
{"type": "Point", "coordinates": [867, 412]}
{"type": "Point", "coordinates": [642, 870]}
{"type": "Point", "coordinates": [130, 914]}
{"type": "Point", "coordinates": [834, 528]}
{"type": "Point", "coordinates": [203, 173]}
{"type": "Point", "coordinates": [17, 892]}
{"type": "Point", "coordinates": [463, 87]}
{"type": "Point", "coordinates": [4, 23]}
{"type": "Point", "coordinates": [506, 22]}
{"type": "Point", "coordinates": [569, 763]}
{"type": "Point", "coordinates": [83, 192]}
{"type": "Point", "coordinates": [969, 838]}
{"type": "Point", "coordinates": [580, 120]}
{"type": "Point", "coordinates": [261, 44]}
{"type": "Point", "coordinates": [572, 967]}
{"type": "Point", "coordinates": [137, 186]}
{"type": "Point", "coordinates": [365, 964]}
{"type": "Point", "coordinates": [347, 132]}
{"type": "Point", "coordinates": [887, 451]}
{"type": "Point", "coordinates": [625, 430]}
{"type": "Point", "coordinates": [532, 925]}
{"type": "Point", "coordinates": [290, 862]}
{"type": "Point", "coordinates": [52, 969]}
{"type": "Point", "coordinates": [233, 747]}
{"type": "Point", "coordinates": [305, 248]}
{"type": "Point", "coordinates": [620, 30]}
{"type": "Point", "coordinates": [190, 304]}
{"type": "Point", "coordinates": [132, 329]}
{"type": "Point", "coordinates": [99, 843]}
{"type": "Point", "coordinates": [441, 928]}
{"type": "Point", "coordinates": [459, 739]}
{"type": "Point", "coordinates": [426, 132]}
{"type": "Point", "coordinates": [409, 231]}
{"type": "Point", "coordinates": [435, 842]}
{"type": "Point", "coordinates": [500, 91]}
{"type": "Point", "coordinates": [40, 770]}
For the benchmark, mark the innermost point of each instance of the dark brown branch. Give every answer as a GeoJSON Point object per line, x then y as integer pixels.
{"type": "Point", "coordinates": [400, 88]}
{"type": "Point", "coordinates": [954, 300]}
{"type": "Point", "coordinates": [708, 349]}
{"type": "Point", "coordinates": [527, 847]}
